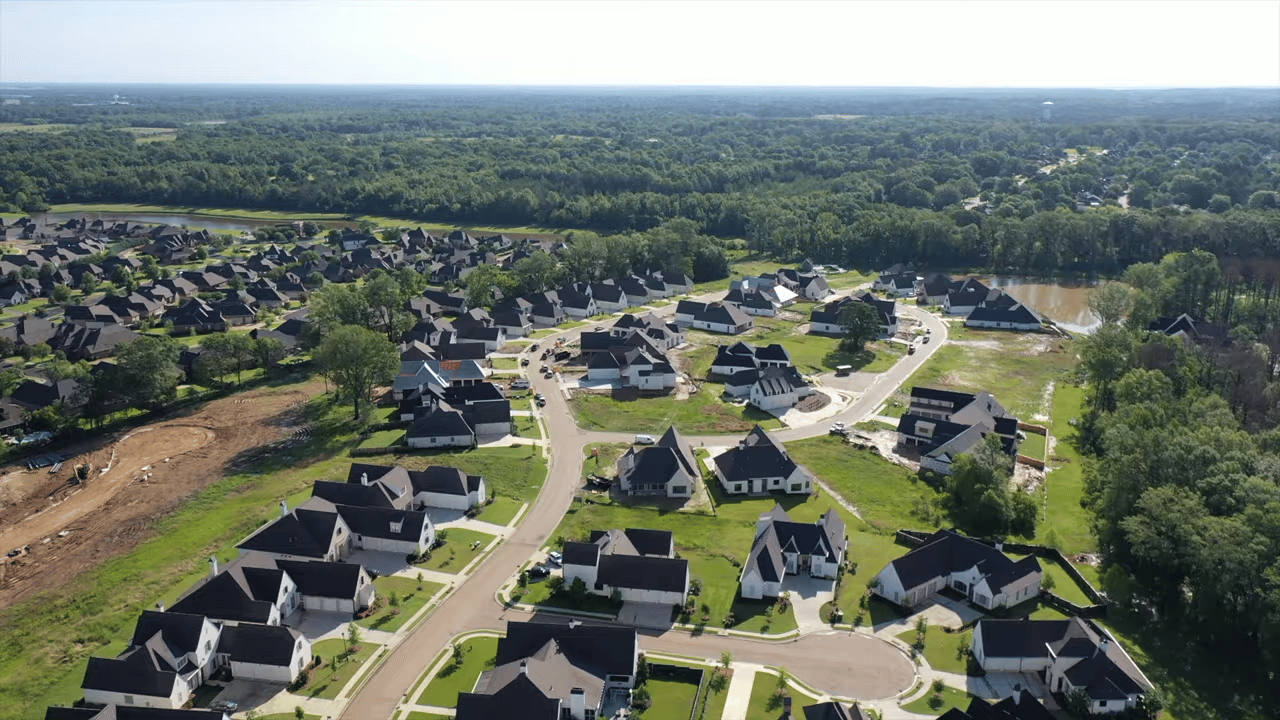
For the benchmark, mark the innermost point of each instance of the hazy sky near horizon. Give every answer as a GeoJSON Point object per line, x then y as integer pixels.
{"type": "Point", "coordinates": [943, 43]}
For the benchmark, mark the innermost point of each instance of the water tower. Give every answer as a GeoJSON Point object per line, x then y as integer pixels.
{"type": "Point", "coordinates": [1046, 110]}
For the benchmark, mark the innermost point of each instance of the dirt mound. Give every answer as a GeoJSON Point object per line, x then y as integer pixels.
{"type": "Point", "coordinates": [135, 479]}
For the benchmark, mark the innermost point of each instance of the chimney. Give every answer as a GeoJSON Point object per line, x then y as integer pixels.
{"type": "Point", "coordinates": [284, 508]}
{"type": "Point", "coordinates": [1104, 644]}
{"type": "Point", "coordinates": [364, 478]}
{"type": "Point", "coordinates": [213, 565]}
{"type": "Point", "coordinates": [1000, 545]}
{"type": "Point", "coordinates": [578, 704]}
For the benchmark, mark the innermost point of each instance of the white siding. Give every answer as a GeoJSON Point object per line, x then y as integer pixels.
{"type": "Point", "coordinates": [441, 442]}
{"type": "Point", "coordinates": [175, 700]}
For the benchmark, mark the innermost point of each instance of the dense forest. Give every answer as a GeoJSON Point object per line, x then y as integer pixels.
{"type": "Point", "coordinates": [962, 179]}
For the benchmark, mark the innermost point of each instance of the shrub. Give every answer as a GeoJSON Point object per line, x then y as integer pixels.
{"type": "Point", "coordinates": [935, 701]}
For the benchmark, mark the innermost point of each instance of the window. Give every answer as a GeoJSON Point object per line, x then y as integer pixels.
{"type": "Point", "coordinates": [128, 700]}
{"type": "Point", "coordinates": [737, 487]}
{"type": "Point", "coordinates": [795, 487]}
{"type": "Point", "coordinates": [678, 490]}
{"type": "Point", "coordinates": [1102, 703]}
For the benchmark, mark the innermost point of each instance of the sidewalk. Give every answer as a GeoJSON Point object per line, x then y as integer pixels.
{"type": "Point", "coordinates": [738, 698]}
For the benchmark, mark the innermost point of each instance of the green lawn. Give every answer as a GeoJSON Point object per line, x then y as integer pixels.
{"type": "Point", "coordinates": [672, 700]}
{"type": "Point", "coordinates": [702, 412]}
{"type": "Point", "coordinates": [715, 700]}
{"type": "Point", "coordinates": [457, 552]}
{"type": "Point", "coordinates": [951, 698]}
{"type": "Point", "coordinates": [516, 472]}
{"type": "Point", "coordinates": [501, 511]}
{"type": "Point", "coordinates": [887, 496]}
{"type": "Point", "coordinates": [44, 641]}
{"type": "Point", "coordinates": [1016, 367]}
{"type": "Point", "coordinates": [505, 363]}
{"type": "Point", "coordinates": [763, 705]}
{"type": "Point", "coordinates": [708, 543]}
{"type": "Point", "coordinates": [327, 681]}
{"type": "Point", "coordinates": [527, 426]}
{"type": "Point", "coordinates": [1066, 523]}
{"type": "Point", "coordinates": [539, 593]}
{"type": "Point", "coordinates": [419, 715]}
{"type": "Point", "coordinates": [412, 599]}
{"type": "Point", "coordinates": [1063, 586]}
{"type": "Point", "coordinates": [602, 459]}
{"type": "Point", "coordinates": [384, 438]}
{"type": "Point", "coordinates": [1033, 446]}
{"type": "Point", "coordinates": [443, 689]}
{"type": "Point", "coordinates": [942, 649]}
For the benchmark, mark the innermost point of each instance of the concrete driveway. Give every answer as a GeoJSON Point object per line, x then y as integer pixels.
{"type": "Point", "coordinates": [250, 694]}
{"type": "Point", "coordinates": [319, 625]}
{"type": "Point", "coordinates": [808, 595]}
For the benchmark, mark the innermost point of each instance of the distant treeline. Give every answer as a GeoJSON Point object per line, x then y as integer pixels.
{"type": "Point", "coordinates": [1013, 194]}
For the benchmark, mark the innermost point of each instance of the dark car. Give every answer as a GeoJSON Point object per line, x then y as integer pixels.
{"type": "Point", "coordinates": [538, 572]}
{"type": "Point", "coordinates": [525, 362]}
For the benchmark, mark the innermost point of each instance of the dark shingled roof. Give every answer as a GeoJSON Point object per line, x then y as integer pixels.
{"type": "Point", "coordinates": [644, 573]}
{"type": "Point", "coordinates": [611, 649]}
{"type": "Point", "coordinates": [128, 712]}
{"type": "Point", "coordinates": [946, 552]}
{"type": "Point", "coordinates": [259, 644]}
{"type": "Point", "coordinates": [519, 698]}
{"type": "Point", "coordinates": [758, 456]}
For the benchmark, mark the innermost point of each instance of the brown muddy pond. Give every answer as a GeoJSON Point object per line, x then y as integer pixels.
{"type": "Point", "coordinates": [1066, 302]}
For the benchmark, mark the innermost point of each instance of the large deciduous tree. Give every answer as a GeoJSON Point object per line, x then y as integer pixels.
{"type": "Point", "coordinates": [149, 373]}
{"type": "Point", "coordinates": [861, 324]}
{"type": "Point", "coordinates": [357, 359]}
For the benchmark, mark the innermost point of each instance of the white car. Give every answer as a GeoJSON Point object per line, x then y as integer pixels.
{"type": "Point", "coordinates": [644, 439]}
{"type": "Point", "coordinates": [555, 557]}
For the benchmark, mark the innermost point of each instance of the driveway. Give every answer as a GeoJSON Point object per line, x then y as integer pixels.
{"type": "Point", "coordinates": [319, 625]}
{"type": "Point", "coordinates": [645, 615]}
{"type": "Point", "coordinates": [808, 595]}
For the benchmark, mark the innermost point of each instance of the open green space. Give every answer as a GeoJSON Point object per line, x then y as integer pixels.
{"type": "Point", "coordinates": [1063, 585]}
{"type": "Point", "coordinates": [887, 496]}
{"type": "Point", "coordinates": [442, 691]}
{"type": "Point", "coordinates": [45, 640]}
{"type": "Point", "coordinates": [338, 667]}
{"type": "Point", "coordinates": [517, 471]}
{"type": "Point", "coordinates": [384, 438]}
{"type": "Point", "coordinates": [1016, 367]}
{"type": "Point", "coordinates": [951, 698]}
{"type": "Point", "coordinates": [765, 706]}
{"type": "Point", "coordinates": [457, 551]}
{"type": "Point", "coordinates": [943, 650]}
{"type": "Point", "coordinates": [410, 600]}
{"type": "Point", "coordinates": [672, 700]}
{"type": "Point", "coordinates": [505, 363]}
{"type": "Point", "coordinates": [527, 426]}
{"type": "Point", "coordinates": [501, 511]}
{"type": "Point", "coordinates": [701, 412]}
{"type": "Point", "coordinates": [419, 715]}
{"type": "Point", "coordinates": [602, 459]}
{"type": "Point", "coordinates": [1033, 446]}
{"type": "Point", "coordinates": [1066, 523]}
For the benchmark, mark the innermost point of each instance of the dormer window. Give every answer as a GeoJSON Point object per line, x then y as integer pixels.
{"type": "Point", "coordinates": [396, 527]}
{"type": "Point", "coordinates": [924, 429]}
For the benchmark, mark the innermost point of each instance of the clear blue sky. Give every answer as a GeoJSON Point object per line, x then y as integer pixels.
{"type": "Point", "coordinates": [1016, 43]}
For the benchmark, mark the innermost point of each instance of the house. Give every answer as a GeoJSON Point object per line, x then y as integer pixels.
{"type": "Point", "coordinates": [639, 564]}
{"type": "Point", "coordinates": [1022, 706]}
{"type": "Point", "coordinates": [29, 330]}
{"type": "Point", "coordinates": [126, 712]}
{"type": "Point", "coordinates": [632, 367]}
{"type": "Point", "coordinates": [440, 426]}
{"type": "Point", "coordinates": [321, 530]}
{"type": "Point", "coordinates": [661, 334]}
{"type": "Point", "coordinates": [1017, 317]}
{"type": "Point", "coordinates": [832, 710]}
{"type": "Point", "coordinates": [553, 671]}
{"type": "Point", "coordinates": [982, 573]}
{"type": "Point", "coordinates": [759, 465]}
{"type": "Point", "coordinates": [83, 343]}
{"type": "Point", "coordinates": [739, 356]}
{"type": "Point", "coordinates": [782, 547]}
{"type": "Point", "coordinates": [965, 296]}
{"type": "Point", "coordinates": [778, 388]}
{"type": "Point", "coordinates": [195, 315]}
{"type": "Point", "coordinates": [266, 653]}
{"type": "Point", "coordinates": [1070, 655]}
{"type": "Point", "coordinates": [35, 395]}
{"type": "Point", "coordinates": [577, 304]}
{"type": "Point", "coordinates": [636, 290]}
{"type": "Point", "coordinates": [667, 467]}
{"type": "Point", "coordinates": [609, 296]}
{"type": "Point", "coordinates": [812, 286]}
{"type": "Point", "coordinates": [12, 294]}
{"type": "Point", "coordinates": [897, 284]}
{"type": "Point", "coordinates": [1189, 328]}
{"type": "Point", "coordinates": [825, 319]}
{"type": "Point", "coordinates": [933, 288]}
{"type": "Point", "coordinates": [169, 656]}
{"type": "Point", "coordinates": [752, 302]}
{"type": "Point", "coordinates": [769, 285]}
{"type": "Point", "coordinates": [252, 590]}
{"type": "Point", "coordinates": [437, 486]}
{"type": "Point", "coordinates": [943, 424]}
{"type": "Point", "coordinates": [712, 317]}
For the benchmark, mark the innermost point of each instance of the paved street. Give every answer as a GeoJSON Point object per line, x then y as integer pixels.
{"type": "Point", "coordinates": [839, 663]}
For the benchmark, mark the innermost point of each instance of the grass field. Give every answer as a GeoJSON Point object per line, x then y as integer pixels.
{"type": "Point", "coordinates": [326, 680]}
{"type": "Point", "coordinates": [505, 363]}
{"type": "Point", "coordinates": [390, 619]}
{"type": "Point", "coordinates": [672, 700]}
{"type": "Point", "coordinates": [951, 698]}
{"type": "Point", "coordinates": [384, 438]}
{"type": "Point", "coordinates": [602, 459]}
{"type": "Point", "coordinates": [457, 552]}
{"type": "Point", "coordinates": [443, 689]}
{"type": "Point", "coordinates": [763, 705]}
{"type": "Point", "coordinates": [516, 472]}
{"type": "Point", "coordinates": [1066, 523]}
{"type": "Point", "coordinates": [942, 649]}
{"type": "Point", "coordinates": [886, 495]}
{"type": "Point", "coordinates": [501, 511]}
{"type": "Point", "coordinates": [702, 412]}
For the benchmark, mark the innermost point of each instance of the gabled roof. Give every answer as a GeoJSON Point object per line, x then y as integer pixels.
{"type": "Point", "coordinates": [244, 591]}
{"type": "Point", "coordinates": [644, 572]}
{"type": "Point", "coordinates": [1019, 314]}
{"type": "Point", "coordinates": [302, 531]}
{"type": "Point", "coordinates": [325, 579]}
{"type": "Point", "coordinates": [610, 649]}
{"type": "Point", "coordinates": [259, 644]}
{"type": "Point", "coordinates": [440, 422]}
{"type": "Point", "coordinates": [779, 381]}
{"type": "Point", "coordinates": [517, 698]}
{"type": "Point", "coordinates": [1103, 669]}
{"type": "Point", "coordinates": [757, 456]}
{"type": "Point", "coordinates": [946, 552]}
{"type": "Point", "coordinates": [128, 712]}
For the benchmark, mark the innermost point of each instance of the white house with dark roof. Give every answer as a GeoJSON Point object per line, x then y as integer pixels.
{"type": "Point", "coordinates": [554, 671]}
{"type": "Point", "coordinates": [897, 284]}
{"type": "Point", "coordinates": [609, 296]}
{"type": "Point", "coordinates": [825, 319]}
{"type": "Point", "coordinates": [1072, 654]}
{"type": "Point", "coordinates": [783, 547]}
{"type": "Point", "coordinates": [778, 388]}
{"type": "Point", "coordinates": [639, 564]}
{"type": "Point", "coordinates": [321, 530]}
{"type": "Point", "coordinates": [632, 367]}
{"type": "Point", "coordinates": [1016, 317]}
{"type": "Point", "coordinates": [758, 465]}
{"type": "Point", "coordinates": [668, 468]}
{"type": "Point", "coordinates": [712, 317]}
{"type": "Point", "coordinates": [739, 356]}
{"type": "Point", "coordinates": [266, 653]}
{"type": "Point", "coordinates": [127, 712]}
{"type": "Point", "coordinates": [437, 486]}
{"type": "Point", "coordinates": [983, 574]}
{"type": "Point", "coordinates": [170, 655]}
{"type": "Point", "coordinates": [753, 302]}
{"type": "Point", "coordinates": [942, 424]}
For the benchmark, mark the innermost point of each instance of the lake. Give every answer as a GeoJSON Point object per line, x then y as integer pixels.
{"type": "Point", "coordinates": [1066, 302]}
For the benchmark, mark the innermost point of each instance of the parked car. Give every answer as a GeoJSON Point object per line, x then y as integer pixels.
{"type": "Point", "coordinates": [834, 430]}
{"type": "Point", "coordinates": [911, 349]}
{"type": "Point", "coordinates": [542, 402]}
{"type": "Point", "coordinates": [539, 571]}
{"type": "Point", "coordinates": [225, 706]}
{"type": "Point", "coordinates": [925, 340]}
{"type": "Point", "coordinates": [525, 362]}
{"type": "Point", "coordinates": [520, 384]}
{"type": "Point", "coordinates": [539, 396]}
{"type": "Point", "coordinates": [548, 374]}
{"type": "Point", "coordinates": [555, 557]}
{"type": "Point", "coordinates": [544, 368]}
{"type": "Point", "coordinates": [533, 347]}
{"type": "Point", "coordinates": [644, 439]}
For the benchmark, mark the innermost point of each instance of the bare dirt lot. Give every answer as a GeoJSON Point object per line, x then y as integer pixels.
{"type": "Point", "coordinates": [149, 471]}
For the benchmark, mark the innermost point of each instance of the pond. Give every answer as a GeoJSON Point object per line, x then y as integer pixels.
{"type": "Point", "coordinates": [1066, 302]}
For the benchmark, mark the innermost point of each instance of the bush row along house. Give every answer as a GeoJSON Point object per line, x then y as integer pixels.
{"type": "Point", "coordinates": [942, 424]}
{"type": "Point", "coordinates": [546, 671]}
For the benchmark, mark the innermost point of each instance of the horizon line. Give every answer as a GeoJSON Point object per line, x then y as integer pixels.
{"type": "Point", "coordinates": [26, 84]}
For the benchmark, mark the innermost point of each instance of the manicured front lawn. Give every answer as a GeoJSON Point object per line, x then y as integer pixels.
{"type": "Point", "coordinates": [951, 698]}
{"type": "Point", "coordinates": [539, 593]}
{"type": "Point", "coordinates": [384, 438]}
{"type": "Point", "coordinates": [443, 689]}
{"type": "Point", "coordinates": [457, 551]}
{"type": "Point", "coordinates": [326, 680]}
{"type": "Point", "coordinates": [942, 649]}
{"type": "Point", "coordinates": [672, 700]}
{"type": "Point", "coordinates": [501, 511]}
{"type": "Point", "coordinates": [763, 704]}
{"type": "Point", "coordinates": [516, 471]}
{"type": "Point", "coordinates": [527, 426]}
{"type": "Point", "coordinates": [390, 619]}
{"type": "Point", "coordinates": [505, 363]}
{"type": "Point", "coordinates": [701, 412]}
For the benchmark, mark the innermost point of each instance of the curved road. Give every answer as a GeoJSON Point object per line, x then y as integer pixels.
{"type": "Point", "coordinates": [822, 660]}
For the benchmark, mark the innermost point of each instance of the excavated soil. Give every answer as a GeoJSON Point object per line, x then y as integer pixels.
{"type": "Point", "coordinates": [62, 528]}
